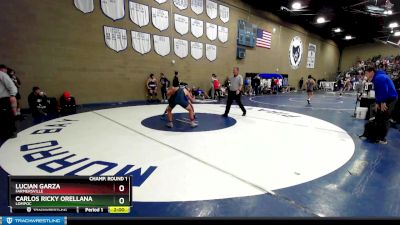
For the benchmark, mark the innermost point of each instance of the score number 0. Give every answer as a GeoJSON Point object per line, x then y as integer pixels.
{"type": "Point", "coordinates": [121, 188]}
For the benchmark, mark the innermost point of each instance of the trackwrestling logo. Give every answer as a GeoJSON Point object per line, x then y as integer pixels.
{"type": "Point", "coordinates": [29, 220]}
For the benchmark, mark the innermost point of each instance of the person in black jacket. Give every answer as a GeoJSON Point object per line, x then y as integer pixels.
{"type": "Point", "coordinates": [175, 81]}
{"type": "Point", "coordinates": [256, 85]}
{"type": "Point", "coordinates": [38, 104]}
{"type": "Point", "coordinates": [164, 87]}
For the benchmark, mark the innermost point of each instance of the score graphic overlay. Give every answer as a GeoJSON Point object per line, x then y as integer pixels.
{"type": "Point", "coordinates": [104, 194]}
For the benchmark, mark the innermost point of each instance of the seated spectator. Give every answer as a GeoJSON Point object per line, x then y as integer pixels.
{"type": "Point", "coordinates": [199, 93]}
{"type": "Point", "coordinates": [67, 104]}
{"type": "Point", "coordinates": [38, 105]}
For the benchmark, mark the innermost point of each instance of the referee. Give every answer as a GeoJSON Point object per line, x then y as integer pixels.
{"type": "Point", "coordinates": [8, 90]}
{"type": "Point", "coordinates": [235, 92]}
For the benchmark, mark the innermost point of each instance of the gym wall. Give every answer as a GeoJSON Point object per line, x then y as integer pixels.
{"type": "Point", "coordinates": [53, 45]}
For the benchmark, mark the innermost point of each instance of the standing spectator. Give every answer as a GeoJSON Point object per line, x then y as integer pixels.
{"type": "Point", "coordinates": [152, 87]}
{"type": "Point", "coordinates": [277, 85]}
{"type": "Point", "coordinates": [212, 92]}
{"type": "Point", "coordinates": [310, 83]}
{"type": "Point", "coordinates": [340, 85]}
{"type": "Point", "coordinates": [227, 84]}
{"type": "Point", "coordinates": [272, 85]}
{"type": "Point", "coordinates": [175, 81]}
{"type": "Point", "coordinates": [256, 84]}
{"type": "Point", "coordinates": [385, 100]}
{"type": "Point", "coordinates": [236, 85]}
{"type": "Point", "coordinates": [17, 83]}
{"type": "Point", "coordinates": [164, 87]}
{"type": "Point", "coordinates": [247, 85]}
{"type": "Point", "coordinates": [7, 96]}
{"type": "Point", "coordinates": [301, 82]}
{"type": "Point", "coordinates": [38, 105]}
{"type": "Point", "coordinates": [67, 104]}
{"type": "Point", "coordinates": [216, 87]}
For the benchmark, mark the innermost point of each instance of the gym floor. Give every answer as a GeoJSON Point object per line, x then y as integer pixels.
{"type": "Point", "coordinates": [285, 158]}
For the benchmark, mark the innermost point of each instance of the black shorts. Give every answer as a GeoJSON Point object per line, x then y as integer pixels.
{"type": "Point", "coordinates": [172, 103]}
{"type": "Point", "coordinates": [308, 91]}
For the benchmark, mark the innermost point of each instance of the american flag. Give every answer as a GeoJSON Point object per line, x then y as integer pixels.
{"type": "Point", "coordinates": [263, 38]}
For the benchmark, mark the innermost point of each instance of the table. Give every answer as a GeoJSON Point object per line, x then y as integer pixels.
{"type": "Point", "coordinates": [327, 85]}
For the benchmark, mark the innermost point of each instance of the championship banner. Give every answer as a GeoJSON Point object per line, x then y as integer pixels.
{"type": "Point", "coordinates": [224, 13]}
{"type": "Point", "coordinates": [181, 48]}
{"type": "Point", "coordinates": [114, 9]}
{"type": "Point", "coordinates": [211, 52]}
{"type": "Point", "coordinates": [161, 1]}
{"type": "Point", "coordinates": [223, 34]}
{"type": "Point", "coordinates": [139, 14]}
{"type": "Point", "coordinates": [312, 50]}
{"type": "Point", "coordinates": [115, 38]}
{"type": "Point", "coordinates": [211, 31]}
{"type": "Point", "coordinates": [197, 6]}
{"type": "Point", "coordinates": [212, 9]}
{"type": "Point", "coordinates": [141, 42]}
{"type": "Point", "coordinates": [196, 50]}
{"type": "Point", "coordinates": [161, 45]}
{"type": "Point", "coordinates": [181, 24]}
{"type": "Point", "coordinates": [160, 19]}
{"type": "Point", "coordinates": [181, 4]}
{"type": "Point", "coordinates": [85, 6]}
{"type": "Point", "coordinates": [197, 27]}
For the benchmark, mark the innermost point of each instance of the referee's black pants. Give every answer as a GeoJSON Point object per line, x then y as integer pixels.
{"type": "Point", "coordinates": [233, 96]}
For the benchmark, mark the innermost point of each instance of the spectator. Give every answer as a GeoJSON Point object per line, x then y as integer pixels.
{"type": "Point", "coordinates": [152, 87]}
{"type": "Point", "coordinates": [247, 86]}
{"type": "Point", "coordinates": [272, 85]}
{"type": "Point", "coordinates": [256, 84]}
{"type": "Point", "coordinates": [17, 83]}
{"type": "Point", "coordinates": [164, 87]}
{"type": "Point", "coordinates": [301, 81]}
{"type": "Point", "coordinates": [216, 87]}
{"type": "Point", "coordinates": [199, 93]}
{"type": "Point", "coordinates": [8, 92]}
{"type": "Point", "coordinates": [212, 91]}
{"type": "Point", "coordinates": [38, 105]}
{"type": "Point", "coordinates": [67, 104]}
{"type": "Point", "coordinates": [175, 81]}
